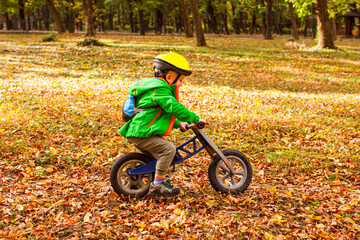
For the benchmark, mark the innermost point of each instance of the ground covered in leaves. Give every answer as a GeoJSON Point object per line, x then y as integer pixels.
{"type": "Point", "coordinates": [295, 113]}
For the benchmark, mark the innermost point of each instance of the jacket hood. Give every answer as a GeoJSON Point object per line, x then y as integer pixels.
{"type": "Point", "coordinates": [146, 84]}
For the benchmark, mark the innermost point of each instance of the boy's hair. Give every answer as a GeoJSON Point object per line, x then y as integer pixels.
{"type": "Point", "coordinates": [159, 73]}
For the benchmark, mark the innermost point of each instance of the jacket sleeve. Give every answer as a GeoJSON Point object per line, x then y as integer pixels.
{"type": "Point", "coordinates": [177, 123]}
{"type": "Point", "coordinates": [164, 98]}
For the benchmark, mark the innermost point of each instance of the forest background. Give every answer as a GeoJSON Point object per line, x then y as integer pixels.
{"type": "Point", "coordinates": [292, 108]}
{"type": "Point", "coordinates": [320, 19]}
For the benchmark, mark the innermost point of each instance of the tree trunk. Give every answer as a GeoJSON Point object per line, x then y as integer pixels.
{"type": "Point", "coordinates": [8, 21]}
{"type": "Point", "coordinates": [333, 29]}
{"type": "Point", "coordinates": [236, 19]}
{"type": "Point", "coordinates": [55, 16]}
{"type": "Point", "coordinates": [185, 14]}
{"type": "Point", "coordinates": [164, 19]}
{"type": "Point", "coordinates": [36, 22]}
{"type": "Point", "coordinates": [269, 20]}
{"type": "Point", "coordinates": [141, 21]}
{"type": "Point", "coordinates": [226, 29]}
{"type": "Point", "coordinates": [243, 17]}
{"type": "Point", "coordinates": [253, 24]}
{"type": "Point", "coordinates": [263, 18]}
{"type": "Point", "coordinates": [324, 26]}
{"type": "Point", "coordinates": [71, 17]}
{"type": "Point", "coordinates": [141, 17]}
{"type": "Point", "coordinates": [29, 26]}
{"type": "Point", "coordinates": [119, 15]}
{"type": "Point", "coordinates": [293, 22]}
{"type": "Point", "coordinates": [21, 5]}
{"type": "Point", "coordinates": [89, 18]}
{"type": "Point", "coordinates": [212, 18]}
{"type": "Point", "coordinates": [200, 38]}
{"type": "Point", "coordinates": [313, 21]}
{"type": "Point", "coordinates": [45, 17]}
{"type": "Point", "coordinates": [158, 22]}
{"type": "Point", "coordinates": [110, 17]}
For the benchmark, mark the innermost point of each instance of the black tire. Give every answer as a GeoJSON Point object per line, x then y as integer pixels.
{"type": "Point", "coordinates": [221, 179]}
{"type": "Point", "coordinates": [126, 185]}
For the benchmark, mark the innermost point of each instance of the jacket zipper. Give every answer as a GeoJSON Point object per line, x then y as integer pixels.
{"type": "Point", "coordinates": [158, 114]}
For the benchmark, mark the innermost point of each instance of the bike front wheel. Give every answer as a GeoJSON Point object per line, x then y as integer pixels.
{"type": "Point", "coordinates": [220, 175]}
{"type": "Point", "coordinates": [130, 185]}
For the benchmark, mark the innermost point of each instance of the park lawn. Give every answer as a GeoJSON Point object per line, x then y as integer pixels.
{"type": "Point", "coordinates": [294, 113]}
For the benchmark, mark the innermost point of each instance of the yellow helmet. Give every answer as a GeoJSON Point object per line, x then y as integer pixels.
{"type": "Point", "coordinates": [172, 61]}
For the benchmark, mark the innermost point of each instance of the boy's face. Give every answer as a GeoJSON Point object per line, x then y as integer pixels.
{"type": "Point", "coordinates": [171, 77]}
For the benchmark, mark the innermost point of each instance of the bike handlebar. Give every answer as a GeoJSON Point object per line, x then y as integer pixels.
{"type": "Point", "coordinates": [199, 125]}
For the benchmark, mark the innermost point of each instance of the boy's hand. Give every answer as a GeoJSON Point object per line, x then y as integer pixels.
{"type": "Point", "coordinates": [202, 120]}
{"type": "Point", "coordinates": [183, 126]}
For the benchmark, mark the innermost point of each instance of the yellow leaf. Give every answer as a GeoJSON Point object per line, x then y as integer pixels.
{"type": "Point", "coordinates": [141, 225]}
{"type": "Point", "coordinates": [58, 203]}
{"type": "Point", "coordinates": [349, 220]}
{"type": "Point", "coordinates": [337, 215]}
{"type": "Point", "coordinates": [87, 114]}
{"type": "Point", "coordinates": [177, 211]}
{"type": "Point", "coordinates": [268, 236]}
{"type": "Point", "coordinates": [211, 203]}
{"type": "Point", "coordinates": [87, 217]}
{"type": "Point", "coordinates": [322, 226]}
{"type": "Point", "coordinates": [324, 234]}
{"type": "Point", "coordinates": [164, 223]}
{"type": "Point", "coordinates": [316, 217]}
{"type": "Point", "coordinates": [278, 218]}
{"type": "Point", "coordinates": [288, 193]}
{"type": "Point", "coordinates": [106, 213]}
{"type": "Point", "coordinates": [273, 189]}
{"type": "Point", "coordinates": [2, 130]}
{"type": "Point", "coordinates": [344, 208]}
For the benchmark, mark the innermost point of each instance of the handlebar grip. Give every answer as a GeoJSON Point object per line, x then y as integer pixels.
{"type": "Point", "coordinates": [200, 125]}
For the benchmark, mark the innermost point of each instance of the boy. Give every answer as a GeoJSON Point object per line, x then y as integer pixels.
{"type": "Point", "coordinates": [146, 128]}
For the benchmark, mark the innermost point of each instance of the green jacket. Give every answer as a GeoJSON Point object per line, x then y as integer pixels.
{"type": "Point", "coordinates": [156, 121]}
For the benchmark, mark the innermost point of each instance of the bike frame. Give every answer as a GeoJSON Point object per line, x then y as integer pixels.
{"type": "Point", "coordinates": [206, 144]}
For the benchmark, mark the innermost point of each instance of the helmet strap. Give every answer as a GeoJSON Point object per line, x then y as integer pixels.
{"type": "Point", "coordinates": [177, 78]}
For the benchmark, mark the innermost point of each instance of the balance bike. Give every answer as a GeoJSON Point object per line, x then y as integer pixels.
{"type": "Point", "coordinates": [229, 170]}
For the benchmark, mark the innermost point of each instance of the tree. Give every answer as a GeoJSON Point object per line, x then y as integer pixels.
{"type": "Point", "coordinates": [22, 14]}
{"type": "Point", "coordinates": [269, 19]}
{"type": "Point", "coordinates": [325, 38]}
{"type": "Point", "coordinates": [89, 18]}
{"type": "Point", "coordinates": [293, 22]}
{"type": "Point", "coordinates": [185, 15]}
{"type": "Point", "coordinates": [141, 17]}
{"type": "Point", "coordinates": [55, 16]}
{"type": "Point", "coordinates": [212, 22]}
{"type": "Point", "coordinates": [200, 38]}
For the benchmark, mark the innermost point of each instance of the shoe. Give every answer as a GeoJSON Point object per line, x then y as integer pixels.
{"type": "Point", "coordinates": [164, 189]}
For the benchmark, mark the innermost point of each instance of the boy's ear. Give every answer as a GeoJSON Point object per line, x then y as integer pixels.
{"type": "Point", "coordinates": [168, 77]}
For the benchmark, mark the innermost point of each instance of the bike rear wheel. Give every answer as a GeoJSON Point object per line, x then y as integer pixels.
{"type": "Point", "coordinates": [220, 175]}
{"type": "Point", "coordinates": [130, 185]}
